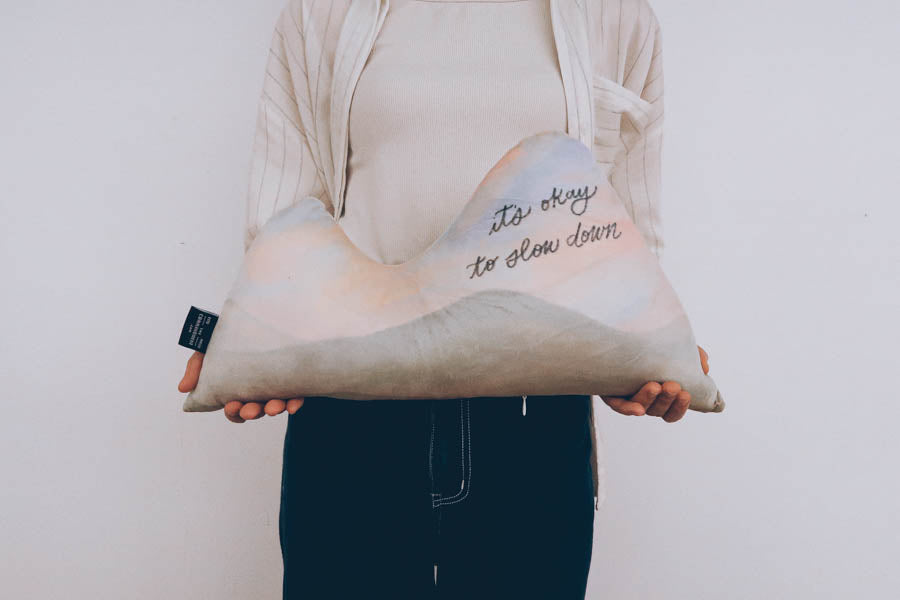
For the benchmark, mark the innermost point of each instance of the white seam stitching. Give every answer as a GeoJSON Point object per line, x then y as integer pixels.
{"type": "Point", "coordinates": [462, 452]}
{"type": "Point", "coordinates": [431, 454]}
{"type": "Point", "coordinates": [468, 476]}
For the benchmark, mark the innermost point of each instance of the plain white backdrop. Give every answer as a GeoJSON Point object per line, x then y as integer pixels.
{"type": "Point", "coordinates": [125, 138]}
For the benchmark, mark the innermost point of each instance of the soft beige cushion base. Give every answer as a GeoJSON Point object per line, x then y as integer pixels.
{"type": "Point", "coordinates": [310, 315]}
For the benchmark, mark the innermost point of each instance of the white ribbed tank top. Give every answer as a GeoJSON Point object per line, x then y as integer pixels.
{"type": "Point", "coordinates": [448, 88]}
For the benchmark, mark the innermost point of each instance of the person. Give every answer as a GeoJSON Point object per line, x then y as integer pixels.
{"type": "Point", "coordinates": [450, 498]}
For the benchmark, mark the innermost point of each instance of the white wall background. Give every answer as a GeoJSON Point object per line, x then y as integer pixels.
{"type": "Point", "coordinates": [125, 136]}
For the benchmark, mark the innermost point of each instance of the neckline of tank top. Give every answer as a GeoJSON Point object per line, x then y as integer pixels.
{"type": "Point", "coordinates": [470, 1]}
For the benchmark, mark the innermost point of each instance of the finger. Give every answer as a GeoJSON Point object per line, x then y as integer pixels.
{"type": "Point", "coordinates": [232, 410]}
{"type": "Point", "coordinates": [294, 404]}
{"type": "Point", "coordinates": [647, 394]}
{"type": "Point", "coordinates": [704, 360]}
{"type": "Point", "coordinates": [191, 372]}
{"type": "Point", "coordinates": [251, 410]}
{"type": "Point", "coordinates": [274, 407]}
{"type": "Point", "coordinates": [624, 406]}
{"type": "Point", "coordinates": [662, 403]}
{"type": "Point", "coordinates": [663, 400]}
{"type": "Point", "coordinates": [679, 407]}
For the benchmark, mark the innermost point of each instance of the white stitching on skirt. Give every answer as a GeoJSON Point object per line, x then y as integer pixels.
{"type": "Point", "coordinates": [431, 455]}
{"type": "Point", "coordinates": [466, 449]}
{"type": "Point", "coordinates": [462, 455]}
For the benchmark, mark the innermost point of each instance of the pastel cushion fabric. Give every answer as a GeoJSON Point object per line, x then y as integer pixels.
{"type": "Point", "coordinates": [541, 285]}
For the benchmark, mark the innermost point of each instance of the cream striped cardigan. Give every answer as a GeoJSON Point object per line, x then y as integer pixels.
{"type": "Point", "coordinates": [610, 60]}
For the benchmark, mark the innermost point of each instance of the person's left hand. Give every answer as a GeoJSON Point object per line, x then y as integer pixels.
{"type": "Point", "coordinates": [668, 400]}
{"type": "Point", "coordinates": [237, 411]}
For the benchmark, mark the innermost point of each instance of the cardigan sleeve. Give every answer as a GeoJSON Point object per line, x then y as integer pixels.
{"type": "Point", "coordinates": [283, 169]}
{"type": "Point", "coordinates": [642, 73]}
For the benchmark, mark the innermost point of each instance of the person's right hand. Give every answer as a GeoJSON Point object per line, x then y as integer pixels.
{"type": "Point", "coordinates": [236, 411]}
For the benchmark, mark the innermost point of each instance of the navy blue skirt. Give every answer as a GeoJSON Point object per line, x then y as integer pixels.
{"type": "Point", "coordinates": [456, 498]}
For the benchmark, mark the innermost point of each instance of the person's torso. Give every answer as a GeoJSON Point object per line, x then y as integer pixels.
{"type": "Point", "coordinates": [448, 88]}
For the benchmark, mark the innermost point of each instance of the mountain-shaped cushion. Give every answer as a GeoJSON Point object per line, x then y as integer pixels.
{"type": "Point", "coordinates": [541, 285]}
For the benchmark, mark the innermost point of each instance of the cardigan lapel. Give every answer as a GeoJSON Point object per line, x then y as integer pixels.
{"type": "Point", "coordinates": [357, 37]}
{"type": "Point", "coordinates": [569, 24]}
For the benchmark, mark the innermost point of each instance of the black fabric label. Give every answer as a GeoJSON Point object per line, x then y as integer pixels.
{"type": "Point", "coordinates": [198, 328]}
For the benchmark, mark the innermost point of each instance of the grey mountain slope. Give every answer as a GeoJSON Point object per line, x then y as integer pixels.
{"type": "Point", "coordinates": [487, 338]}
